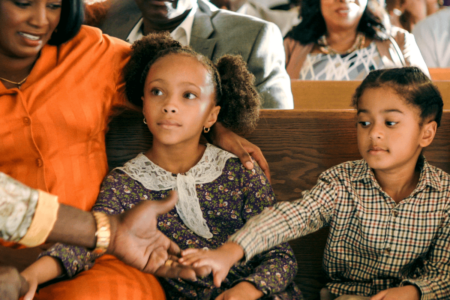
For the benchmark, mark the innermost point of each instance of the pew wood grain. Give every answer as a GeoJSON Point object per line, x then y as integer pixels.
{"type": "Point", "coordinates": [338, 94]}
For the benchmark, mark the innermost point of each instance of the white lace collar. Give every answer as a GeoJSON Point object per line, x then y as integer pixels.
{"type": "Point", "coordinates": [155, 178]}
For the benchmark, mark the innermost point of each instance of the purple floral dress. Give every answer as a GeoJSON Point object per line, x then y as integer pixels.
{"type": "Point", "coordinates": [226, 203]}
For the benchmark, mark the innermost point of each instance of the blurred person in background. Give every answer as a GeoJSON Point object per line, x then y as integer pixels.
{"type": "Point", "coordinates": [345, 40]}
{"type": "Point", "coordinates": [433, 38]}
{"type": "Point", "coordinates": [212, 32]}
{"type": "Point", "coordinates": [406, 13]}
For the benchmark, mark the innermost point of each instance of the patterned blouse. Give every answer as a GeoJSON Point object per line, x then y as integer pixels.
{"type": "Point", "coordinates": [226, 201]}
{"type": "Point", "coordinates": [17, 207]}
{"type": "Point", "coordinates": [374, 243]}
{"type": "Point", "coordinates": [352, 66]}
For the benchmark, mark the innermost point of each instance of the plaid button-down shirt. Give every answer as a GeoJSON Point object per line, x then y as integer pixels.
{"type": "Point", "coordinates": [374, 243]}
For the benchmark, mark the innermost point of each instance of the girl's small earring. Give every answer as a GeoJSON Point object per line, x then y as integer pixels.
{"type": "Point", "coordinates": [206, 130]}
{"type": "Point", "coordinates": [145, 121]}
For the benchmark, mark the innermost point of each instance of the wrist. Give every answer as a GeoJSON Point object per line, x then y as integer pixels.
{"type": "Point", "coordinates": [215, 133]}
{"type": "Point", "coordinates": [414, 290]}
{"type": "Point", "coordinates": [234, 252]}
{"type": "Point", "coordinates": [251, 290]}
{"type": "Point", "coordinates": [113, 225]}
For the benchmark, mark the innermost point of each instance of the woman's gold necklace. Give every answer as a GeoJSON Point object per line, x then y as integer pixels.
{"type": "Point", "coordinates": [325, 48]}
{"type": "Point", "coordinates": [15, 83]}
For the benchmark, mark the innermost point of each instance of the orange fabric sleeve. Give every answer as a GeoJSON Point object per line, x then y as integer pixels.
{"type": "Point", "coordinates": [43, 221]}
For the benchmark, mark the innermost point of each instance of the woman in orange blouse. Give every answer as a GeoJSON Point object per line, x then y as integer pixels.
{"type": "Point", "coordinates": [59, 82]}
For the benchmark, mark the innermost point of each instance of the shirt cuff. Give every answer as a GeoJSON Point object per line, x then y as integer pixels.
{"type": "Point", "coordinates": [43, 221]}
{"type": "Point", "coordinates": [425, 290]}
{"type": "Point", "coordinates": [245, 240]}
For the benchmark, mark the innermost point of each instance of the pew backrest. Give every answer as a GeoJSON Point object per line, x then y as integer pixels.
{"type": "Point", "coordinates": [439, 73]}
{"type": "Point", "coordinates": [338, 94]}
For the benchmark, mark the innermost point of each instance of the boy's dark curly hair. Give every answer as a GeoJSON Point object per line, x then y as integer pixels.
{"type": "Point", "coordinates": [411, 84]}
{"type": "Point", "coordinates": [313, 26]}
{"type": "Point", "coordinates": [234, 84]}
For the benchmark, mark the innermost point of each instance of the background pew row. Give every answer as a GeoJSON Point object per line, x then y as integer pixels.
{"type": "Point", "coordinates": [338, 94]}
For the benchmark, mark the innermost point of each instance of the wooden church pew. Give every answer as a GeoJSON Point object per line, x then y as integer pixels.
{"type": "Point", "coordinates": [299, 145]}
{"type": "Point", "coordinates": [439, 73]}
{"type": "Point", "coordinates": [338, 94]}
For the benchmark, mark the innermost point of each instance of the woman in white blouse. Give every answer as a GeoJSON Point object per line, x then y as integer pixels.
{"type": "Point", "coordinates": [345, 40]}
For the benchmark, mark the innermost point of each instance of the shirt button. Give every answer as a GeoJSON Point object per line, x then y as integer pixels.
{"type": "Point", "coordinates": [26, 121]}
{"type": "Point", "coordinates": [395, 214]}
{"type": "Point", "coordinates": [387, 250]}
{"type": "Point", "coordinates": [39, 162]}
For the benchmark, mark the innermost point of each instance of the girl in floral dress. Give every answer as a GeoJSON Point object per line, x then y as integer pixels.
{"type": "Point", "coordinates": [183, 94]}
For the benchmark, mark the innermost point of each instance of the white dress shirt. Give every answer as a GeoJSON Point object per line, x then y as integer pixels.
{"type": "Point", "coordinates": [181, 34]}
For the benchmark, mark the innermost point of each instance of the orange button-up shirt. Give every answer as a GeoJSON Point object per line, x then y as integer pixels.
{"type": "Point", "coordinates": [52, 129]}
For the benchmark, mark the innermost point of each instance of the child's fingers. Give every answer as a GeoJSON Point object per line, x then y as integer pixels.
{"type": "Point", "coordinates": [189, 251]}
{"type": "Point", "coordinates": [197, 262]}
{"type": "Point", "coordinates": [31, 291]}
{"type": "Point", "coordinates": [189, 259]}
{"type": "Point", "coordinates": [219, 276]}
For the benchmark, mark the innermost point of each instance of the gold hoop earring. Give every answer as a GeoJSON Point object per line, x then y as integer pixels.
{"type": "Point", "coordinates": [206, 130]}
{"type": "Point", "coordinates": [145, 121]}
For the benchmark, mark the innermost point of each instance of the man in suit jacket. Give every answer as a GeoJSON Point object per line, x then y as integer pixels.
{"type": "Point", "coordinates": [212, 32]}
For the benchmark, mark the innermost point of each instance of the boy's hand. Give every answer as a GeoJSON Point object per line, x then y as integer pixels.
{"type": "Point", "coordinates": [220, 260]}
{"type": "Point", "coordinates": [409, 292]}
{"type": "Point", "coordinates": [242, 291]}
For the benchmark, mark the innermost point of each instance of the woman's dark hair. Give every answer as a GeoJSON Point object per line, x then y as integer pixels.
{"type": "Point", "coordinates": [313, 26]}
{"type": "Point", "coordinates": [234, 84]}
{"type": "Point", "coordinates": [72, 16]}
{"type": "Point", "coordinates": [411, 84]}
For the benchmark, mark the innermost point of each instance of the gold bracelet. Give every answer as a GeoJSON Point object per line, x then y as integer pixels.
{"type": "Point", "coordinates": [103, 233]}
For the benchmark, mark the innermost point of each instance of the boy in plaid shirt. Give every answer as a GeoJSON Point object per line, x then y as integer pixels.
{"type": "Point", "coordinates": [388, 213]}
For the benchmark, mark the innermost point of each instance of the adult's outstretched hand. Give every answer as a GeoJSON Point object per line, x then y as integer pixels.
{"type": "Point", "coordinates": [136, 240]}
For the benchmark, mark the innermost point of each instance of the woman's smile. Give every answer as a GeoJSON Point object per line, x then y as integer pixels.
{"type": "Point", "coordinates": [32, 40]}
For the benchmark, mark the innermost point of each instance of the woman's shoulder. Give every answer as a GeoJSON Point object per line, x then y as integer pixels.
{"type": "Point", "coordinates": [291, 45]}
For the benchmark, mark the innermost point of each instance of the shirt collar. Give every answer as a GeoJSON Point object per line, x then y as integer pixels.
{"type": "Point", "coordinates": [181, 34]}
{"type": "Point", "coordinates": [428, 176]}
{"type": "Point", "coordinates": [243, 9]}
{"type": "Point", "coordinates": [155, 178]}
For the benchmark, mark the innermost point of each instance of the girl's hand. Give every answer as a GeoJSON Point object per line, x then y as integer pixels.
{"type": "Point", "coordinates": [230, 141]}
{"type": "Point", "coordinates": [32, 280]}
{"type": "Point", "coordinates": [242, 291]}
{"type": "Point", "coordinates": [409, 292]}
{"type": "Point", "coordinates": [220, 260]}
{"type": "Point", "coordinates": [44, 269]}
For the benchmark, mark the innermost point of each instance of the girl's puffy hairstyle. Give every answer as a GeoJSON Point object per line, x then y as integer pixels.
{"type": "Point", "coordinates": [233, 83]}
{"type": "Point", "coordinates": [313, 26]}
{"type": "Point", "coordinates": [411, 84]}
{"type": "Point", "coordinates": [72, 16]}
